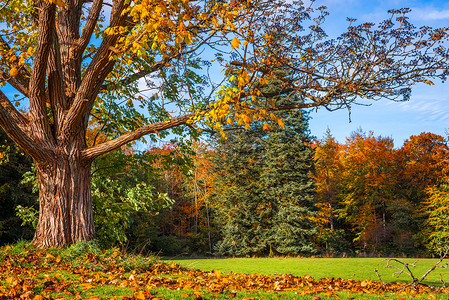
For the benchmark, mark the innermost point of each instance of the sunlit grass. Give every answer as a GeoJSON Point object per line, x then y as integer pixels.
{"type": "Point", "coordinates": [346, 268]}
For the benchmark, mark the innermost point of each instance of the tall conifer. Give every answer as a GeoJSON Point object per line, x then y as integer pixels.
{"type": "Point", "coordinates": [286, 179]}
{"type": "Point", "coordinates": [264, 197]}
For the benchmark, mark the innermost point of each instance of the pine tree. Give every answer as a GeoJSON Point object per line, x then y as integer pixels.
{"type": "Point", "coordinates": [264, 196]}
{"type": "Point", "coordinates": [288, 166]}
{"type": "Point", "coordinates": [239, 202]}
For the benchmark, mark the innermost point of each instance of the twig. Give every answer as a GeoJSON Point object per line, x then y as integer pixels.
{"type": "Point", "coordinates": [378, 276]}
{"type": "Point", "coordinates": [415, 282]}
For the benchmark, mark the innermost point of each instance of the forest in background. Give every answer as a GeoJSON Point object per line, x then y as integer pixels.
{"type": "Point", "coordinates": [267, 190]}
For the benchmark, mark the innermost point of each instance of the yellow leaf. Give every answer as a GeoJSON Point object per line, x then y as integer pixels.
{"type": "Point", "coordinates": [280, 123]}
{"type": "Point", "coordinates": [429, 82]}
{"type": "Point", "coordinates": [235, 43]}
{"type": "Point", "coordinates": [229, 121]}
{"type": "Point", "coordinates": [129, 102]}
{"type": "Point", "coordinates": [13, 72]}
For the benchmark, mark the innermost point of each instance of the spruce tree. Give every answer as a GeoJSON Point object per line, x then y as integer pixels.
{"type": "Point", "coordinates": [286, 178]}
{"type": "Point", "coordinates": [239, 199]}
{"type": "Point", "coordinates": [264, 196]}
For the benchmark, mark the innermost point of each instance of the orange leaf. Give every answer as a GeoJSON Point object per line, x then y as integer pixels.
{"type": "Point", "coordinates": [235, 43]}
{"type": "Point", "coordinates": [139, 295]}
{"type": "Point", "coordinates": [13, 72]}
{"type": "Point", "coordinates": [266, 126]}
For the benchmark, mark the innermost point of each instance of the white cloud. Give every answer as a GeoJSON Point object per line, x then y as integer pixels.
{"type": "Point", "coordinates": [427, 109]}
{"type": "Point", "coordinates": [430, 13]}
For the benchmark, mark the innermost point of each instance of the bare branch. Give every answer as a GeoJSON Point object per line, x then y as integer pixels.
{"type": "Point", "coordinates": [89, 27]}
{"type": "Point", "coordinates": [38, 111]}
{"type": "Point", "coordinates": [415, 282]}
{"type": "Point", "coordinates": [9, 123]}
{"type": "Point", "coordinates": [95, 151]}
{"type": "Point", "coordinates": [12, 111]}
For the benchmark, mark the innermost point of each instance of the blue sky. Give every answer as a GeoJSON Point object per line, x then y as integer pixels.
{"type": "Point", "coordinates": [428, 108]}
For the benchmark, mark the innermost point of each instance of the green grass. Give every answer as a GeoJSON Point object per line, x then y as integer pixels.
{"type": "Point", "coordinates": [83, 270]}
{"type": "Point", "coordinates": [346, 268]}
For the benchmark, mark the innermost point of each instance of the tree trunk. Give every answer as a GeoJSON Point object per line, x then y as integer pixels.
{"type": "Point", "coordinates": [65, 201]}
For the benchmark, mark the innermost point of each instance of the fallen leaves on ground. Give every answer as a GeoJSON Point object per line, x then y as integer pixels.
{"type": "Point", "coordinates": [36, 274]}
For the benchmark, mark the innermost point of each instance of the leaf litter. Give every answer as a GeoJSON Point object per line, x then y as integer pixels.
{"type": "Point", "coordinates": [41, 275]}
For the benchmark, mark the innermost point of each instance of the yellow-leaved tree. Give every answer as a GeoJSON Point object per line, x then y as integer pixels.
{"type": "Point", "coordinates": [139, 67]}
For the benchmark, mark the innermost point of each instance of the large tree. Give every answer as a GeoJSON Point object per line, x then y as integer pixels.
{"type": "Point", "coordinates": [72, 61]}
{"type": "Point", "coordinates": [287, 182]}
{"type": "Point", "coordinates": [243, 211]}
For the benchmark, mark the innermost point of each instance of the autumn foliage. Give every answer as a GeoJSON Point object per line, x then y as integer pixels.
{"type": "Point", "coordinates": [378, 193]}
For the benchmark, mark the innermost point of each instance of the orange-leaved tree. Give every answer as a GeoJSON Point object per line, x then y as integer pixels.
{"type": "Point", "coordinates": [327, 176]}
{"type": "Point", "coordinates": [423, 170]}
{"type": "Point", "coordinates": [368, 186]}
{"type": "Point", "coordinates": [71, 61]}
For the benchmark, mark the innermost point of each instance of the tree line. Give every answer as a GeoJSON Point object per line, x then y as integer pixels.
{"type": "Point", "coordinates": [260, 191]}
{"type": "Point", "coordinates": [148, 69]}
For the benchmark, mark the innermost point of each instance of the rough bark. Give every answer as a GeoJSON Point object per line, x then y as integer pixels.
{"type": "Point", "coordinates": [65, 212]}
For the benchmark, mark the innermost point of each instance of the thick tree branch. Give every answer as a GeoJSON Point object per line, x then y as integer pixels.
{"type": "Point", "coordinates": [18, 118]}
{"type": "Point", "coordinates": [15, 84]}
{"type": "Point", "coordinates": [12, 125]}
{"type": "Point", "coordinates": [56, 91]}
{"type": "Point", "coordinates": [95, 73]}
{"type": "Point", "coordinates": [21, 81]}
{"type": "Point", "coordinates": [89, 27]}
{"type": "Point", "coordinates": [95, 151]}
{"type": "Point", "coordinates": [38, 96]}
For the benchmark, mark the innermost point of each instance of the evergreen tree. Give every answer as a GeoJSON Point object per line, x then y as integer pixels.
{"type": "Point", "coordinates": [286, 177]}
{"type": "Point", "coordinates": [264, 194]}
{"type": "Point", "coordinates": [239, 200]}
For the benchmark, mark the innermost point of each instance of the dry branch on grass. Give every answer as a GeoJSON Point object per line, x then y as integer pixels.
{"type": "Point", "coordinates": [415, 281]}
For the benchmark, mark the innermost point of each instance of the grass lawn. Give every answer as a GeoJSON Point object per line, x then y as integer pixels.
{"type": "Point", "coordinates": [346, 268]}
{"type": "Point", "coordinates": [83, 271]}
